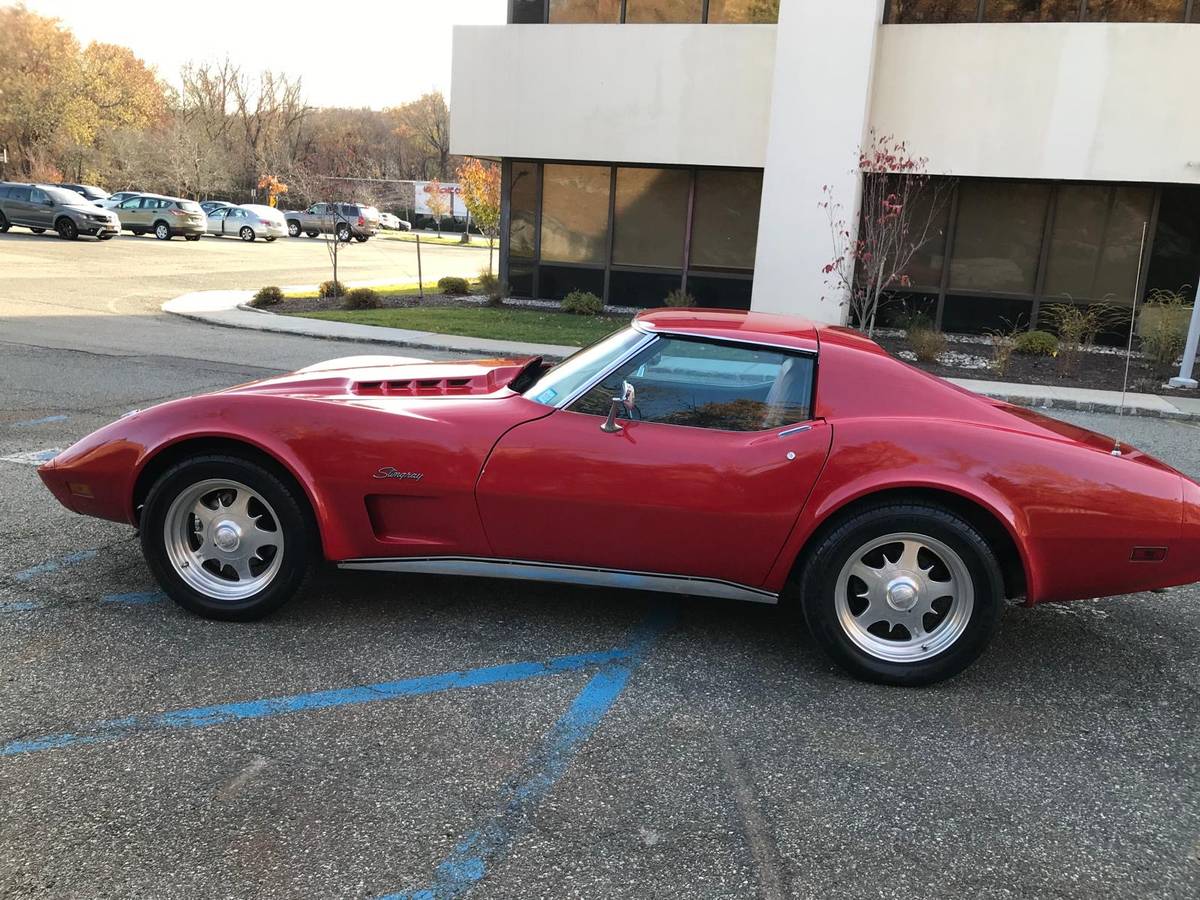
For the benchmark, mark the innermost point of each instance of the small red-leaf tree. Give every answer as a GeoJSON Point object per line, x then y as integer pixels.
{"type": "Point", "coordinates": [902, 210]}
{"type": "Point", "coordinates": [480, 183]}
{"type": "Point", "coordinates": [437, 201]}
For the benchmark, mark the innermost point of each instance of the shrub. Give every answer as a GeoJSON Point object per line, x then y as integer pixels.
{"type": "Point", "coordinates": [1036, 343]}
{"type": "Point", "coordinates": [361, 298]}
{"type": "Point", "coordinates": [1077, 327]}
{"type": "Point", "coordinates": [331, 289]}
{"type": "Point", "coordinates": [491, 287]}
{"type": "Point", "coordinates": [454, 285]}
{"type": "Point", "coordinates": [583, 303]}
{"type": "Point", "coordinates": [267, 296]}
{"type": "Point", "coordinates": [1004, 344]}
{"type": "Point", "coordinates": [927, 344]}
{"type": "Point", "coordinates": [1163, 326]}
{"type": "Point", "coordinates": [679, 297]}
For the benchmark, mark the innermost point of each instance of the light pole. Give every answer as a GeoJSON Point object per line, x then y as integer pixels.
{"type": "Point", "coordinates": [1185, 379]}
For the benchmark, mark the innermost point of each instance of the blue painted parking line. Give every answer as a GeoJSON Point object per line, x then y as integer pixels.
{"type": "Point", "coordinates": [470, 860]}
{"type": "Point", "coordinates": [53, 565]}
{"type": "Point", "coordinates": [224, 713]}
{"type": "Point", "coordinates": [136, 598]}
{"type": "Point", "coordinates": [32, 457]}
{"type": "Point", "coordinates": [44, 420]}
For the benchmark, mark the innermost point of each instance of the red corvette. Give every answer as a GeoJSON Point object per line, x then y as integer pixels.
{"type": "Point", "coordinates": [727, 454]}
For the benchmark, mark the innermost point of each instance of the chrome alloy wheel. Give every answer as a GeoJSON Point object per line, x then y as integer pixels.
{"type": "Point", "coordinates": [223, 539]}
{"type": "Point", "coordinates": [904, 597]}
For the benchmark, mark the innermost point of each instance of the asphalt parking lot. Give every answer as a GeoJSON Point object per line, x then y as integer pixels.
{"type": "Point", "coordinates": [429, 737]}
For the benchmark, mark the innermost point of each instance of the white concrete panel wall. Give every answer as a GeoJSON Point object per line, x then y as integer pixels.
{"type": "Point", "coordinates": [824, 57]}
{"type": "Point", "coordinates": [686, 94]}
{"type": "Point", "coordinates": [1093, 101]}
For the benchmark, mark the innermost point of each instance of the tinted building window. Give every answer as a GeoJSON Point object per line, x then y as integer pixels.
{"type": "Point", "coordinates": [925, 12]}
{"type": "Point", "coordinates": [663, 10]}
{"type": "Point", "coordinates": [651, 215]}
{"type": "Point", "coordinates": [555, 282]}
{"type": "Point", "coordinates": [1175, 257]}
{"type": "Point", "coordinates": [1031, 11]}
{"type": "Point", "coordinates": [528, 12]}
{"type": "Point", "coordinates": [977, 315]}
{"type": "Point", "coordinates": [720, 293]}
{"type": "Point", "coordinates": [998, 237]}
{"type": "Point", "coordinates": [725, 221]}
{"type": "Point", "coordinates": [1134, 11]}
{"type": "Point", "coordinates": [932, 209]}
{"type": "Point", "coordinates": [574, 213]}
{"type": "Point", "coordinates": [522, 205]}
{"type": "Point", "coordinates": [743, 12]}
{"type": "Point", "coordinates": [585, 11]}
{"type": "Point", "coordinates": [1096, 241]}
{"type": "Point", "coordinates": [645, 289]}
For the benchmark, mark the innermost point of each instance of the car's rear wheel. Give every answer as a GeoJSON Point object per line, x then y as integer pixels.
{"type": "Point", "coordinates": [38, 230]}
{"type": "Point", "coordinates": [227, 538]}
{"type": "Point", "coordinates": [361, 238]}
{"type": "Point", "coordinates": [903, 594]}
{"type": "Point", "coordinates": [269, 238]}
{"type": "Point", "coordinates": [4, 225]}
{"type": "Point", "coordinates": [246, 233]}
{"type": "Point", "coordinates": [312, 234]}
{"type": "Point", "coordinates": [293, 228]}
{"type": "Point", "coordinates": [192, 237]}
{"type": "Point", "coordinates": [162, 231]}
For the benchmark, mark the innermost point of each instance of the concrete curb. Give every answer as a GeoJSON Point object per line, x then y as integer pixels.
{"type": "Point", "coordinates": [229, 309]}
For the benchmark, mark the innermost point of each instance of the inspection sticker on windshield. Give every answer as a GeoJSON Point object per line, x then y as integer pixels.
{"type": "Point", "coordinates": [547, 395]}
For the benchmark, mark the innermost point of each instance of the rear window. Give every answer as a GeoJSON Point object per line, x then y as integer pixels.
{"type": "Point", "coordinates": [189, 206]}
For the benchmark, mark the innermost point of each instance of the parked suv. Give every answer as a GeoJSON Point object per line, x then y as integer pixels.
{"type": "Point", "coordinates": [164, 217]}
{"type": "Point", "coordinates": [90, 192]}
{"type": "Point", "coordinates": [346, 220]}
{"type": "Point", "coordinates": [41, 207]}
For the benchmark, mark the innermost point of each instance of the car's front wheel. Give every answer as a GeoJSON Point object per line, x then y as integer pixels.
{"type": "Point", "coordinates": [67, 230]}
{"type": "Point", "coordinates": [227, 538]}
{"type": "Point", "coordinates": [905, 594]}
{"type": "Point", "coordinates": [162, 231]}
{"type": "Point", "coordinates": [4, 225]}
{"type": "Point", "coordinates": [246, 233]}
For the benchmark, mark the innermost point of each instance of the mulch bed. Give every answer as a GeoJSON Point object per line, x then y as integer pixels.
{"type": "Point", "coordinates": [1100, 368]}
{"type": "Point", "coordinates": [389, 301]}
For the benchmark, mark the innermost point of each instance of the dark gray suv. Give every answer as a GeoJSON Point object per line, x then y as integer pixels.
{"type": "Point", "coordinates": [42, 207]}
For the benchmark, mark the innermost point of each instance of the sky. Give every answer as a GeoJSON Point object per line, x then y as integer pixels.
{"type": "Point", "coordinates": [397, 50]}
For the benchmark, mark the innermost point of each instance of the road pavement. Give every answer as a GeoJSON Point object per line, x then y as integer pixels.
{"type": "Point", "coordinates": [431, 737]}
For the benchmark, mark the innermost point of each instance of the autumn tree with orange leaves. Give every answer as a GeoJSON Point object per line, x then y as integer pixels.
{"type": "Point", "coordinates": [480, 185]}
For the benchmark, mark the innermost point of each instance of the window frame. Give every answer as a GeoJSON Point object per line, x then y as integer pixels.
{"type": "Point", "coordinates": [656, 335]}
{"type": "Point", "coordinates": [544, 19]}
{"type": "Point", "coordinates": [1186, 9]}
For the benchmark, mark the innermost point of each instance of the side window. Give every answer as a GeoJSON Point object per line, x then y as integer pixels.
{"type": "Point", "coordinates": [4, 192]}
{"type": "Point", "coordinates": [318, 209]}
{"type": "Point", "coordinates": [36, 195]}
{"type": "Point", "coordinates": [703, 384]}
{"type": "Point", "coordinates": [19, 193]}
{"type": "Point", "coordinates": [134, 203]}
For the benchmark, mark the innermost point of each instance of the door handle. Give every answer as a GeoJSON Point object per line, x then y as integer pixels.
{"type": "Point", "coordinates": [788, 432]}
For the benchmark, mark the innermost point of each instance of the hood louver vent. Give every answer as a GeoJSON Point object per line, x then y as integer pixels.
{"type": "Point", "coordinates": [420, 387]}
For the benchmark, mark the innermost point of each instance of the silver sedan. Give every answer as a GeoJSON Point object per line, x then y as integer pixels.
{"type": "Point", "coordinates": [248, 222]}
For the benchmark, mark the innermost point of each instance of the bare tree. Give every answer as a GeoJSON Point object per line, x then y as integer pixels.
{"type": "Point", "coordinates": [901, 212]}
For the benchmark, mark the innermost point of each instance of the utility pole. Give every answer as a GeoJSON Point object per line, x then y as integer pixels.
{"type": "Point", "coordinates": [1185, 379]}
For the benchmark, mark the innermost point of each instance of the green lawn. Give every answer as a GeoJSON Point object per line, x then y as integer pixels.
{"type": "Point", "coordinates": [448, 238]}
{"type": "Point", "coordinates": [501, 324]}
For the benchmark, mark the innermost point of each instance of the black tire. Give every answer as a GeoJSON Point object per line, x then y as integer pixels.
{"type": "Point", "coordinates": [137, 232]}
{"type": "Point", "coordinates": [361, 238]}
{"type": "Point", "coordinates": [301, 550]}
{"type": "Point", "coordinates": [311, 234]}
{"type": "Point", "coordinates": [67, 230]}
{"type": "Point", "coordinates": [269, 238]}
{"type": "Point", "coordinates": [4, 225]}
{"type": "Point", "coordinates": [818, 587]}
{"type": "Point", "coordinates": [162, 231]}
{"type": "Point", "coordinates": [246, 233]}
{"type": "Point", "coordinates": [106, 236]}
{"type": "Point", "coordinates": [38, 230]}
{"type": "Point", "coordinates": [191, 237]}
{"type": "Point", "coordinates": [343, 233]}
{"type": "Point", "coordinates": [293, 228]}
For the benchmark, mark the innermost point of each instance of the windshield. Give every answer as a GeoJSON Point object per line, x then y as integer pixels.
{"type": "Point", "coordinates": [582, 368]}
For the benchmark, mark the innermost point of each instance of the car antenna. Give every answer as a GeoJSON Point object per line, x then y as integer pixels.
{"type": "Point", "coordinates": [1116, 450]}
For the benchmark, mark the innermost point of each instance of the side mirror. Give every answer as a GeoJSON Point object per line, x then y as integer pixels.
{"type": "Point", "coordinates": [47, 203]}
{"type": "Point", "coordinates": [628, 400]}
